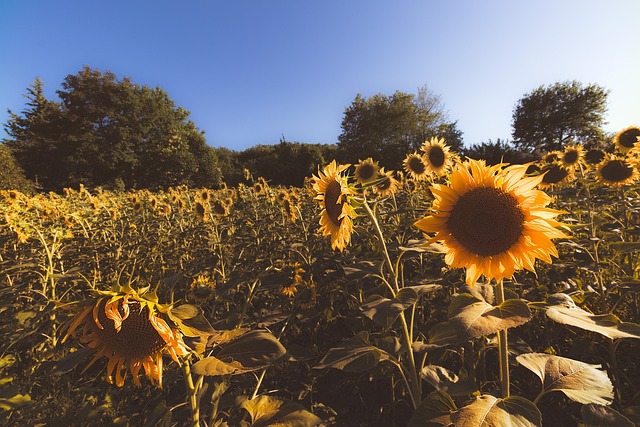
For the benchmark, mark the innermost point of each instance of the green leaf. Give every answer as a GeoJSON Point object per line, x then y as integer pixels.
{"type": "Point", "coordinates": [354, 355]}
{"type": "Point", "coordinates": [435, 410]}
{"type": "Point", "coordinates": [14, 402]}
{"type": "Point", "coordinates": [191, 321]}
{"type": "Point", "coordinates": [270, 411]}
{"type": "Point", "coordinates": [562, 309]}
{"type": "Point", "coordinates": [488, 411]}
{"type": "Point", "coordinates": [579, 381]}
{"type": "Point", "coordinates": [603, 416]}
{"type": "Point", "coordinates": [445, 380]}
{"type": "Point", "coordinates": [472, 317]}
{"type": "Point", "coordinates": [385, 311]}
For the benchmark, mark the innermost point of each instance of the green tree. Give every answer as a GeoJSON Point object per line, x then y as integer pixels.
{"type": "Point", "coordinates": [550, 116]}
{"type": "Point", "coordinates": [386, 128]}
{"type": "Point", "coordinates": [11, 176]}
{"type": "Point", "coordinates": [115, 133]}
{"type": "Point", "coordinates": [497, 152]}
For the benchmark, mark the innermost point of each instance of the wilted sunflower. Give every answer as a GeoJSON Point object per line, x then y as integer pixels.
{"type": "Point", "coordinates": [627, 138]}
{"type": "Point", "coordinates": [492, 221]}
{"type": "Point", "coordinates": [437, 155]}
{"type": "Point", "coordinates": [572, 156]}
{"type": "Point", "coordinates": [555, 174]}
{"type": "Point", "coordinates": [616, 171]}
{"type": "Point", "coordinates": [594, 156]}
{"type": "Point", "coordinates": [201, 210]}
{"type": "Point", "coordinates": [366, 171]}
{"type": "Point", "coordinates": [416, 166]}
{"type": "Point", "coordinates": [334, 196]}
{"type": "Point", "coordinates": [387, 184]}
{"type": "Point", "coordinates": [124, 326]}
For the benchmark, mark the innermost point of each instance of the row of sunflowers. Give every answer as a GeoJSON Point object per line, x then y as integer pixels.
{"type": "Point", "coordinates": [367, 297]}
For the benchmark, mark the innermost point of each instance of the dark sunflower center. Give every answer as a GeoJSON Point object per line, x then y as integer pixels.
{"type": "Point", "coordinates": [616, 171]}
{"type": "Point", "coordinates": [594, 156]}
{"type": "Point", "coordinates": [219, 208]}
{"type": "Point", "coordinates": [629, 138]}
{"type": "Point", "coordinates": [137, 337]}
{"type": "Point", "coordinates": [331, 204]}
{"type": "Point", "coordinates": [385, 183]}
{"type": "Point", "coordinates": [570, 157]}
{"type": "Point", "coordinates": [551, 157]}
{"type": "Point", "coordinates": [366, 171]}
{"type": "Point", "coordinates": [554, 175]}
{"type": "Point", "coordinates": [416, 165]}
{"type": "Point", "coordinates": [486, 221]}
{"type": "Point", "coordinates": [436, 156]}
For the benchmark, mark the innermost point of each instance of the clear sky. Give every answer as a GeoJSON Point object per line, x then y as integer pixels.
{"type": "Point", "coordinates": [250, 71]}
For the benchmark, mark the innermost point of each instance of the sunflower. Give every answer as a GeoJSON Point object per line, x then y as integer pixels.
{"type": "Point", "coordinates": [334, 196]}
{"type": "Point", "coordinates": [220, 208]}
{"type": "Point", "coordinates": [282, 195]}
{"type": "Point", "coordinates": [551, 157]}
{"type": "Point", "coordinates": [572, 156]}
{"type": "Point", "coordinates": [125, 327]}
{"type": "Point", "coordinates": [204, 194]}
{"type": "Point", "coordinates": [416, 166]}
{"type": "Point", "coordinates": [366, 171]}
{"type": "Point", "coordinates": [594, 156]}
{"type": "Point", "coordinates": [202, 288]}
{"type": "Point", "coordinates": [555, 174]}
{"type": "Point", "coordinates": [492, 220]}
{"type": "Point", "coordinates": [201, 210]}
{"type": "Point", "coordinates": [437, 155]}
{"type": "Point", "coordinates": [616, 171]}
{"type": "Point", "coordinates": [387, 184]}
{"type": "Point", "coordinates": [627, 138]}
{"type": "Point", "coordinates": [289, 210]}
{"type": "Point", "coordinates": [258, 188]}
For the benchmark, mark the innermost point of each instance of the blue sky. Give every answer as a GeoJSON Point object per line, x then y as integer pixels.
{"type": "Point", "coordinates": [250, 71]}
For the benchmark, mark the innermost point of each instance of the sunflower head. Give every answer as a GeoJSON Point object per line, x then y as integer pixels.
{"type": "Point", "coordinates": [438, 156]}
{"type": "Point", "coordinates": [572, 156]}
{"type": "Point", "coordinates": [555, 174]}
{"type": "Point", "coordinates": [201, 210]}
{"type": "Point", "coordinates": [551, 157]}
{"type": "Point", "coordinates": [627, 138]}
{"type": "Point", "coordinates": [386, 184]}
{"type": "Point", "coordinates": [127, 327]}
{"type": "Point", "coordinates": [334, 194]}
{"type": "Point", "coordinates": [220, 208]}
{"type": "Point", "coordinates": [366, 171]}
{"type": "Point", "coordinates": [617, 171]}
{"type": "Point", "coordinates": [492, 220]}
{"type": "Point", "coordinates": [594, 156]}
{"type": "Point", "coordinates": [202, 288]}
{"type": "Point", "coordinates": [416, 166]}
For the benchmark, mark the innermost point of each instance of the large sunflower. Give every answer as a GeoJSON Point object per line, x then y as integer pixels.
{"type": "Point", "coordinates": [616, 171]}
{"type": "Point", "coordinates": [125, 327]}
{"type": "Point", "coordinates": [438, 156]}
{"type": "Point", "coordinates": [492, 220]}
{"type": "Point", "coordinates": [334, 196]}
{"type": "Point", "coordinates": [416, 166]}
{"type": "Point", "coordinates": [627, 138]}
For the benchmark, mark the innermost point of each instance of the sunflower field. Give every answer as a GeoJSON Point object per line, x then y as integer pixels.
{"type": "Point", "coordinates": [449, 293]}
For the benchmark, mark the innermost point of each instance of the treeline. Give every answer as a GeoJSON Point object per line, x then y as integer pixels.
{"type": "Point", "coordinates": [115, 134]}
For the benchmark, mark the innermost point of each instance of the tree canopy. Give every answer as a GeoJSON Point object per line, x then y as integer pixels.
{"type": "Point", "coordinates": [550, 116]}
{"type": "Point", "coordinates": [109, 132]}
{"type": "Point", "coordinates": [386, 128]}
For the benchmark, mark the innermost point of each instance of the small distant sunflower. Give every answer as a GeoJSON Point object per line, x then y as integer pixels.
{"type": "Point", "coordinates": [219, 208]}
{"type": "Point", "coordinates": [627, 138]}
{"type": "Point", "coordinates": [594, 156]}
{"type": "Point", "coordinates": [555, 174]}
{"type": "Point", "coordinates": [616, 171]}
{"type": "Point", "coordinates": [126, 327]}
{"type": "Point", "coordinates": [282, 195]}
{"type": "Point", "coordinates": [572, 156]}
{"type": "Point", "coordinates": [416, 166]}
{"type": "Point", "coordinates": [335, 197]}
{"type": "Point", "coordinates": [201, 210]}
{"type": "Point", "coordinates": [289, 210]}
{"type": "Point", "coordinates": [258, 188]}
{"type": "Point", "coordinates": [366, 171]}
{"type": "Point", "coordinates": [551, 157]}
{"type": "Point", "coordinates": [202, 288]}
{"type": "Point", "coordinates": [204, 194]}
{"type": "Point", "coordinates": [438, 156]}
{"type": "Point", "coordinates": [492, 221]}
{"type": "Point", "coordinates": [387, 185]}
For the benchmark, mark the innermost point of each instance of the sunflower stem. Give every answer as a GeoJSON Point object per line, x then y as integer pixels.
{"type": "Point", "coordinates": [503, 347]}
{"type": "Point", "coordinates": [192, 392]}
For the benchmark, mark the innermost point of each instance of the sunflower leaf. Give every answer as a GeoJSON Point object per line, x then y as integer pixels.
{"type": "Point", "coordinates": [579, 381]}
{"type": "Point", "coordinates": [435, 410]}
{"type": "Point", "coordinates": [354, 355]}
{"type": "Point", "coordinates": [488, 411]}
{"type": "Point", "coordinates": [191, 321]}
{"type": "Point", "coordinates": [254, 350]}
{"type": "Point", "coordinates": [444, 379]}
{"type": "Point", "coordinates": [473, 318]}
{"type": "Point", "coordinates": [271, 411]}
{"type": "Point", "coordinates": [603, 416]}
{"type": "Point", "coordinates": [212, 366]}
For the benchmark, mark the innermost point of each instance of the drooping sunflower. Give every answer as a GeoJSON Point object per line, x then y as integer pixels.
{"type": "Point", "coordinates": [492, 220]}
{"type": "Point", "coordinates": [366, 171]}
{"type": "Point", "coordinates": [387, 184]}
{"type": "Point", "coordinates": [555, 174]}
{"type": "Point", "coordinates": [126, 327]}
{"type": "Point", "coordinates": [616, 171]}
{"type": "Point", "coordinates": [438, 156]}
{"type": "Point", "coordinates": [202, 288]}
{"type": "Point", "coordinates": [594, 156]}
{"type": "Point", "coordinates": [219, 208]}
{"type": "Point", "coordinates": [551, 157]}
{"type": "Point", "coordinates": [201, 210]}
{"type": "Point", "coordinates": [572, 156]}
{"type": "Point", "coordinates": [415, 165]}
{"type": "Point", "coordinates": [627, 138]}
{"type": "Point", "coordinates": [334, 194]}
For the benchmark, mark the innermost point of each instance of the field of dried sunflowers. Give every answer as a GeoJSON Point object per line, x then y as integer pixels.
{"type": "Point", "coordinates": [449, 293]}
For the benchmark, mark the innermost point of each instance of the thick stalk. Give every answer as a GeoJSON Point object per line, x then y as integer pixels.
{"type": "Point", "coordinates": [503, 347]}
{"type": "Point", "coordinates": [192, 391]}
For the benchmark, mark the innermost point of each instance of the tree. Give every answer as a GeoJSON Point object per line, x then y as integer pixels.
{"type": "Point", "coordinates": [500, 151]}
{"type": "Point", "coordinates": [548, 117]}
{"type": "Point", "coordinates": [114, 133]}
{"type": "Point", "coordinates": [11, 176]}
{"type": "Point", "coordinates": [386, 128]}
